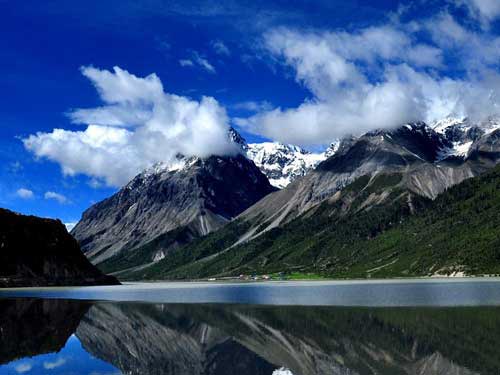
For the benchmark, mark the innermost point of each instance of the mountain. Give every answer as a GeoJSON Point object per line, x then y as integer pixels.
{"type": "Point", "coordinates": [414, 152]}
{"type": "Point", "coordinates": [40, 252]}
{"type": "Point", "coordinates": [411, 151]}
{"type": "Point", "coordinates": [365, 186]}
{"type": "Point", "coordinates": [167, 206]}
{"type": "Point", "coordinates": [456, 234]}
{"type": "Point", "coordinates": [321, 222]}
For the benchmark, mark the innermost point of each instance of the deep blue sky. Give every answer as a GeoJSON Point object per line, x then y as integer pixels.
{"type": "Point", "coordinates": [43, 44]}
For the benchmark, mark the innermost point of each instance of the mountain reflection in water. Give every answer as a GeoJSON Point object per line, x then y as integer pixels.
{"type": "Point", "coordinates": [138, 338]}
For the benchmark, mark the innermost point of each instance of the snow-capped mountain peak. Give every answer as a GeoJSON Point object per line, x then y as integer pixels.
{"type": "Point", "coordinates": [282, 163]}
{"type": "Point", "coordinates": [462, 133]}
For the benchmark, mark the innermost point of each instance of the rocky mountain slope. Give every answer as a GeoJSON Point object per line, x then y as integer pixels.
{"type": "Point", "coordinates": [415, 151]}
{"type": "Point", "coordinates": [399, 236]}
{"type": "Point", "coordinates": [40, 252]}
{"type": "Point", "coordinates": [171, 204]}
{"type": "Point", "coordinates": [370, 183]}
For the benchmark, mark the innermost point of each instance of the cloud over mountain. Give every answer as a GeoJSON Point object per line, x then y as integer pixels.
{"type": "Point", "coordinates": [380, 77]}
{"type": "Point", "coordinates": [138, 125]}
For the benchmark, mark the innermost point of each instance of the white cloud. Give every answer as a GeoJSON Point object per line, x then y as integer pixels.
{"type": "Point", "coordinates": [379, 77]}
{"type": "Point", "coordinates": [23, 367]}
{"type": "Point", "coordinates": [199, 61]}
{"type": "Point", "coordinates": [484, 10]}
{"type": "Point", "coordinates": [138, 125]}
{"type": "Point", "coordinates": [54, 364]}
{"type": "Point", "coordinates": [25, 193]}
{"type": "Point", "coordinates": [220, 48]}
{"type": "Point", "coordinates": [57, 197]}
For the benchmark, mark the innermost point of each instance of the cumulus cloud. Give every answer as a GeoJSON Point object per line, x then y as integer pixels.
{"type": "Point", "coordinates": [380, 77]}
{"type": "Point", "coordinates": [25, 193]}
{"type": "Point", "coordinates": [138, 125]}
{"type": "Point", "coordinates": [56, 196]}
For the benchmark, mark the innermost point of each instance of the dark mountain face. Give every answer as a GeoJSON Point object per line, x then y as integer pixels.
{"type": "Point", "coordinates": [180, 204]}
{"type": "Point", "coordinates": [40, 252]}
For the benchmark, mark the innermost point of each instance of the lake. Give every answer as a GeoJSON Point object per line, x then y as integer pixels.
{"type": "Point", "coordinates": [280, 328]}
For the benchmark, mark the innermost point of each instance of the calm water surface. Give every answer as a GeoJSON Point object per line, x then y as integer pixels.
{"type": "Point", "coordinates": [404, 327]}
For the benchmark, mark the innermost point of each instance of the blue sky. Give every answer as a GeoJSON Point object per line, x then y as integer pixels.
{"type": "Point", "coordinates": [281, 70]}
{"type": "Point", "coordinates": [71, 356]}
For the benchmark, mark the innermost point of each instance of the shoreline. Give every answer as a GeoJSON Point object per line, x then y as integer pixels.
{"type": "Point", "coordinates": [165, 284]}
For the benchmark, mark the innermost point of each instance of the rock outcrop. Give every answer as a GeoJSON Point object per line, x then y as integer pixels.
{"type": "Point", "coordinates": [40, 252]}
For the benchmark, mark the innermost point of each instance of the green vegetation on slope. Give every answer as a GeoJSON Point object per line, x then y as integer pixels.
{"type": "Point", "coordinates": [369, 231]}
{"type": "Point", "coordinates": [144, 254]}
{"type": "Point", "coordinates": [297, 246]}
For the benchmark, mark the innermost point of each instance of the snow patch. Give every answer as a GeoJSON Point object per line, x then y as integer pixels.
{"type": "Point", "coordinates": [282, 371]}
{"type": "Point", "coordinates": [440, 126]}
{"type": "Point", "coordinates": [158, 256]}
{"type": "Point", "coordinates": [460, 150]}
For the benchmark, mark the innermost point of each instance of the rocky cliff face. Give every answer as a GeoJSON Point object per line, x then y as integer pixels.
{"type": "Point", "coordinates": [40, 252]}
{"type": "Point", "coordinates": [196, 196]}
